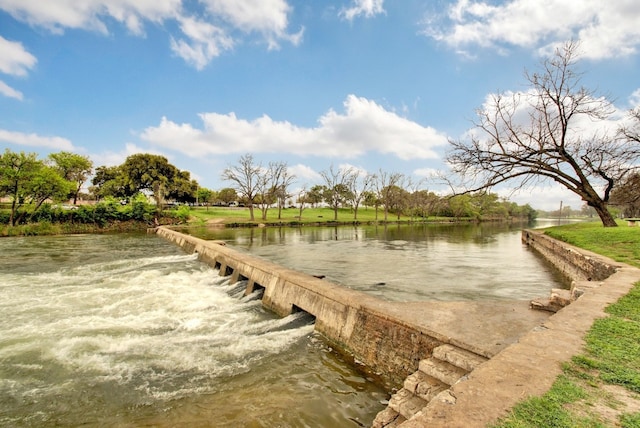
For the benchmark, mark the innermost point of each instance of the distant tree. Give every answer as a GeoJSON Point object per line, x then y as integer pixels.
{"type": "Point", "coordinates": [627, 196]}
{"type": "Point", "coordinates": [182, 188]}
{"type": "Point", "coordinates": [16, 172]}
{"type": "Point", "coordinates": [371, 199]}
{"type": "Point", "coordinates": [27, 180]}
{"type": "Point", "coordinates": [74, 168]}
{"type": "Point", "coordinates": [358, 183]}
{"type": "Point", "coordinates": [245, 174]}
{"type": "Point", "coordinates": [227, 195]}
{"type": "Point", "coordinates": [336, 187]}
{"type": "Point", "coordinates": [205, 196]}
{"type": "Point", "coordinates": [282, 179]}
{"type": "Point", "coordinates": [108, 181]}
{"type": "Point", "coordinates": [314, 195]}
{"type": "Point", "coordinates": [424, 203]}
{"type": "Point", "coordinates": [46, 184]}
{"type": "Point", "coordinates": [525, 138]}
{"type": "Point", "coordinates": [386, 183]}
{"type": "Point", "coordinates": [151, 173]}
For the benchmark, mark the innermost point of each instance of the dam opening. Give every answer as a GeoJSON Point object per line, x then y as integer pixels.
{"type": "Point", "coordinates": [129, 329]}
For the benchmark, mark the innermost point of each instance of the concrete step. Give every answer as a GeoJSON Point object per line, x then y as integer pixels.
{"type": "Point", "coordinates": [423, 385]}
{"type": "Point", "coordinates": [407, 404]}
{"type": "Point", "coordinates": [441, 370]}
{"type": "Point", "coordinates": [388, 418]}
{"type": "Point", "coordinates": [458, 357]}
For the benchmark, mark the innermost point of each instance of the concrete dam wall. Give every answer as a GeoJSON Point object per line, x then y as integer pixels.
{"type": "Point", "coordinates": [356, 323]}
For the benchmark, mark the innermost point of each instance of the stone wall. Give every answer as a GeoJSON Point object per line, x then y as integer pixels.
{"type": "Point", "coordinates": [575, 264]}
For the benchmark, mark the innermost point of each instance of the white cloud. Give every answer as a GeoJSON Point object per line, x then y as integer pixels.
{"type": "Point", "coordinates": [34, 140]}
{"type": "Point", "coordinates": [58, 15]}
{"type": "Point", "coordinates": [305, 173]}
{"type": "Point", "coordinates": [367, 8]}
{"type": "Point", "coordinates": [206, 42]}
{"type": "Point", "coordinates": [8, 91]}
{"type": "Point", "coordinates": [14, 59]}
{"type": "Point", "coordinates": [364, 127]}
{"type": "Point", "coordinates": [267, 17]}
{"type": "Point", "coordinates": [547, 198]}
{"type": "Point", "coordinates": [605, 29]}
{"type": "Point", "coordinates": [201, 37]}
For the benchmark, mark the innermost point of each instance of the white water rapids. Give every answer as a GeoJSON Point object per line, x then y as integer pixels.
{"type": "Point", "coordinates": [126, 330]}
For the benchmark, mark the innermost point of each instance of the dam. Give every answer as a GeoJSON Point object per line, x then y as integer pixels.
{"type": "Point", "coordinates": [423, 350]}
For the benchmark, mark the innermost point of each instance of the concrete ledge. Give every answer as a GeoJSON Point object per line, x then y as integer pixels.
{"type": "Point", "coordinates": [389, 338]}
{"type": "Point", "coordinates": [529, 367]}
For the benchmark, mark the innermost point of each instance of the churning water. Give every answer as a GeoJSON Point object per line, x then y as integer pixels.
{"type": "Point", "coordinates": [127, 330]}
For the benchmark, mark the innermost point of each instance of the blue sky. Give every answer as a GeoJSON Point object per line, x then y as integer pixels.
{"type": "Point", "coordinates": [376, 84]}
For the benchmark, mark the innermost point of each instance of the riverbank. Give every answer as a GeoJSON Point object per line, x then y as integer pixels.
{"type": "Point", "coordinates": [581, 368]}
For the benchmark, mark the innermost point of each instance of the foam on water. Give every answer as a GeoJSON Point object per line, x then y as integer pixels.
{"type": "Point", "coordinates": [133, 330]}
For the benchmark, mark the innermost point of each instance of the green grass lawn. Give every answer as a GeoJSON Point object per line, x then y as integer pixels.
{"type": "Point", "coordinates": [598, 383]}
{"type": "Point", "coordinates": [201, 215]}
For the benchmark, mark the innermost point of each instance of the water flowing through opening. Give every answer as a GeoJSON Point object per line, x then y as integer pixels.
{"type": "Point", "coordinates": [122, 340]}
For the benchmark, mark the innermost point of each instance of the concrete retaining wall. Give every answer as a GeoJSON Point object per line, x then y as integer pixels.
{"type": "Point", "coordinates": [356, 323]}
{"type": "Point", "coordinates": [575, 264]}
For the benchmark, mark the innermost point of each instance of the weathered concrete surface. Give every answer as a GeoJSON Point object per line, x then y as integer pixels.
{"type": "Point", "coordinates": [529, 367]}
{"type": "Point", "coordinates": [389, 338]}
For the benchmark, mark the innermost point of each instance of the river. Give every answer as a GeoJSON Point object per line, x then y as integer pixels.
{"type": "Point", "coordinates": [126, 330]}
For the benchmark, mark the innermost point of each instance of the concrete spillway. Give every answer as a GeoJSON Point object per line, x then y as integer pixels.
{"type": "Point", "coordinates": [389, 338]}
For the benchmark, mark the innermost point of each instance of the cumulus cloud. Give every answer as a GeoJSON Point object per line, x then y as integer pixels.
{"type": "Point", "coordinates": [8, 91]}
{"type": "Point", "coordinates": [366, 8]}
{"type": "Point", "coordinates": [605, 30]}
{"type": "Point", "coordinates": [364, 127]}
{"type": "Point", "coordinates": [202, 37]}
{"type": "Point", "coordinates": [305, 173]}
{"type": "Point", "coordinates": [34, 140]}
{"type": "Point", "coordinates": [14, 58]}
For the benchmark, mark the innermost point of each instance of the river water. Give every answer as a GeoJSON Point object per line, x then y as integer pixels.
{"type": "Point", "coordinates": [126, 330]}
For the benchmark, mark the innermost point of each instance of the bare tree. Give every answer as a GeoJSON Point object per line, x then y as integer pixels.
{"type": "Point", "coordinates": [336, 186]}
{"type": "Point", "coordinates": [282, 179]}
{"type": "Point", "coordinates": [540, 135]}
{"type": "Point", "coordinates": [386, 186]}
{"type": "Point", "coordinates": [358, 183]}
{"type": "Point", "coordinates": [245, 175]}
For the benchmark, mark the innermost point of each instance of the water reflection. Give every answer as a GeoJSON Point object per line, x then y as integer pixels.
{"type": "Point", "coordinates": [406, 262]}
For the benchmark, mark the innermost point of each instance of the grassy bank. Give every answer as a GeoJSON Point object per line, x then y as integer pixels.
{"type": "Point", "coordinates": [291, 216]}
{"type": "Point", "coordinates": [601, 386]}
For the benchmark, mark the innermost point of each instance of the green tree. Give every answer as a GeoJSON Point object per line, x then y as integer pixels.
{"type": "Point", "coordinates": [151, 173]}
{"type": "Point", "coordinates": [16, 172]}
{"type": "Point", "coordinates": [74, 168]}
{"type": "Point", "coordinates": [46, 183]}
{"type": "Point", "coordinates": [314, 195]}
{"type": "Point", "coordinates": [227, 195]}
{"type": "Point", "coordinates": [108, 181]}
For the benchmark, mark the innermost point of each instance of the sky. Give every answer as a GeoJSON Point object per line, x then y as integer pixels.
{"type": "Point", "coordinates": [373, 84]}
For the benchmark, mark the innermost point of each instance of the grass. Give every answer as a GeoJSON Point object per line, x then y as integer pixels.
{"type": "Point", "coordinates": [226, 215]}
{"type": "Point", "coordinates": [581, 397]}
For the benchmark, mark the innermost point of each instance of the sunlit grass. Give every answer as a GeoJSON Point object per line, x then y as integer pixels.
{"type": "Point", "coordinates": [612, 346]}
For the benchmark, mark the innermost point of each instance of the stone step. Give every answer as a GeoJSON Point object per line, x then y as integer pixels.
{"type": "Point", "coordinates": [388, 418]}
{"type": "Point", "coordinates": [458, 357]}
{"type": "Point", "coordinates": [407, 404]}
{"type": "Point", "coordinates": [423, 385]}
{"type": "Point", "coordinates": [441, 370]}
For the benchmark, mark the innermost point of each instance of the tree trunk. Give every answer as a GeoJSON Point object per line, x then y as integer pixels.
{"type": "Point", "coordinates": [605, 216]}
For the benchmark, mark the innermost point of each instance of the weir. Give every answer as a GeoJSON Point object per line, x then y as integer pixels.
{"type": "Point", "coordinates": [389, 338]}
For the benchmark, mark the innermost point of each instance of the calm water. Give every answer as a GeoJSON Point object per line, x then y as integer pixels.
{"type": "Point", "coordinates": [127, 330]}
{"type": "Point", "coordinates": [406, 263]}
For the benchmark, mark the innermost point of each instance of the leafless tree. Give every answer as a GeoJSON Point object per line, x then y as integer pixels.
{"type": "Point", "coordinates": [336, 180]}
{"type": "Point", "coordinates": [358, 183]}
{"type": "Point", "coordinates": [541, 135]}
{"type": "Point", "coordinates": [245, 176]}
{"type": "Point", "coordinates": [386, 186]}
